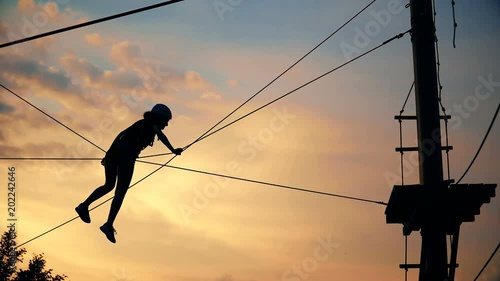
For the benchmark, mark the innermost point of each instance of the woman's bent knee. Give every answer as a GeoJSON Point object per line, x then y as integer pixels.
{"type": "Point", "coordinates": [108, 187]}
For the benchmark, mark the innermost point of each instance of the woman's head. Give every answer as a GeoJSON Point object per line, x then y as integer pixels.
{"type": "Point", "coordinates": [159, 114]}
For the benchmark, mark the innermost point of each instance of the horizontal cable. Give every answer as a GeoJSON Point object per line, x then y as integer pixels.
{"type": "Point", "coordinates": [51, 158]}
{"type": "Point", "coordinates": [208, 173]}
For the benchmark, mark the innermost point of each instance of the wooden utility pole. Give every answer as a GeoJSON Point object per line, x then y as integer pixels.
{"type": "Point", "coordinates": [433, 259]}
{"type": "Point", "coordinates": [434, 207]}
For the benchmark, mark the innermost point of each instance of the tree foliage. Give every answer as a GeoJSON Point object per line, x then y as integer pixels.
{"type": "Point", "coordinates": [11, 257]}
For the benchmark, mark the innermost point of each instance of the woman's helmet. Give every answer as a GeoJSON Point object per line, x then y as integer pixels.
{"type": "Point", "coordinates": [162, 110]}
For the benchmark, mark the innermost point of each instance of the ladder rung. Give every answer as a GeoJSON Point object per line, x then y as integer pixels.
{"type": "Point", "coordinates": [413, 117]}
{"type": "Point", "coordinates": [408, 266]}
{"type": "Point", "coordinates": [404, 149]}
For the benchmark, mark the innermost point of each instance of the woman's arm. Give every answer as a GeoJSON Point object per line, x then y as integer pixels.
{"type": "Point", "coordinates": [165, 141]}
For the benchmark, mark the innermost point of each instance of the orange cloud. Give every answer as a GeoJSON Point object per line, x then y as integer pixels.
{"type": "Point", "coordinates": [122, 79]}
{"type": "Point", "coordinates": [26, 71]}
{"type": "Point", "coordinates": [125, 53]}
{"type": "Point", "coordinates": [81, 67]}
{"type": "Point", "coordinates": [94, 39]}
{"type": "Point", "coordinates": [40, 15]}
{"type": "Point", "coordinates": [195, 82]}
{"type": "Point", "coordinates": [24, 5]}
{"type": "Point", "coordinates": [51, 8]}
{"type": "Point", "coordinates": [233, 83]}
{"type": "Point", "coordinates": [211, 96]}
{"type": "Point", "coordinates": [3, 31]}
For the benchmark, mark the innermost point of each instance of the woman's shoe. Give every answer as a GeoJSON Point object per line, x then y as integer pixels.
{"type": "Point", "coordinates": [83, 213]}
{"type": "Point", "coordinates": [109, 231]}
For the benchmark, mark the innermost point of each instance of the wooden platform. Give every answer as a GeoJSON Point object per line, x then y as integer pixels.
{"type": "Point", "coordinates": [412, 204]}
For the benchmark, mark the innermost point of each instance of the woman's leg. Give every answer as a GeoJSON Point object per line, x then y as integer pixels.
{"type": "Point", "coordinates": [110, 170]}
{"type": "Point", "coordinates": [125, 172]}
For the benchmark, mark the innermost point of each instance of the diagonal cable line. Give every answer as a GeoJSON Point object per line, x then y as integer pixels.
{"type": "Point", "coordinates": [80, 25]}
{"type": "Point", "coordinates": [48, 115]}
{"type": "Point", "coordinates": [401, 133]}
{"type": "Point", "coordinates": [157, 6]}
{"type": "Point", "coordinates": [202, 172]}
{"type": "Point", "coordinates": [65, 126]}
{"type": "Point", "coordinates": [269, 183]}
{"type": "Point", "coordinates": [205, 173]}
{"type": "Point", "coordinates": [154, 155]}
{"type": "Point", "coordinates": [407, 97]}
{"type": "Point", "coordinates": [302, 86]}
{"type": "Point", "coordinates": [95, 207]}
{"type": "Point", "coordinates": [283, 73]}
{"type": "Point", "coordinates": [482, 143]}
{"type": "Point", "coordinates": [487, 262]}
{"type": "Point", "coordinates": [164, 165]}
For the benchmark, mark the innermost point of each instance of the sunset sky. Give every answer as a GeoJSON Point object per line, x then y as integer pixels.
{"type": "Point", "coordinates": [203, 58]}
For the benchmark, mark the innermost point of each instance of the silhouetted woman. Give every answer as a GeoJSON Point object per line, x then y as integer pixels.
{"type": "Point", "coordinates": [120, 160]}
